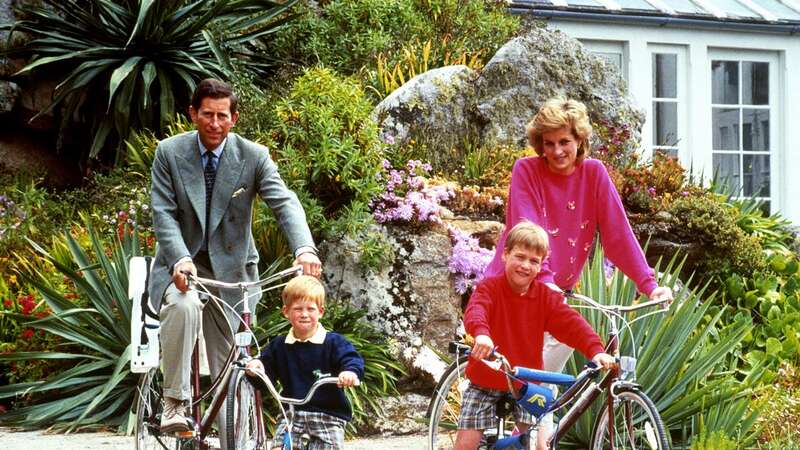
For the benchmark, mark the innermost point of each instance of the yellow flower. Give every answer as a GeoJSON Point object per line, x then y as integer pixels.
{"type": "Point", "coordinates": [12, 279]}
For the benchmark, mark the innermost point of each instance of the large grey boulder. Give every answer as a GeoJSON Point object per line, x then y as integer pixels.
{"type": "Point", "coordinates": [429, 109]}
{"type": "Point", "coordinates": [493, 107]}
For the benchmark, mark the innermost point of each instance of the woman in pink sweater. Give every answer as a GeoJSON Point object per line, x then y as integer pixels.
{"type": "Point", "coordinates": [572, 198]}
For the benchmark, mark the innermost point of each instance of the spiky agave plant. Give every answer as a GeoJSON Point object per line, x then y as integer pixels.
{"type": "Point", "coordinates": [99, 387]}
{"type": "Point", "coordinates": [682, 357]}
{"type": "Point", "coordinates": [126, 64]}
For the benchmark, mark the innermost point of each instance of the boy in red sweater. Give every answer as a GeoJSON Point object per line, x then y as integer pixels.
{"type": "Point", "coordinates": [511, 312]}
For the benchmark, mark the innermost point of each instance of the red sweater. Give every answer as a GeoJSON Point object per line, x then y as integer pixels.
{"type": "Point", "coordinates": [517, 322]}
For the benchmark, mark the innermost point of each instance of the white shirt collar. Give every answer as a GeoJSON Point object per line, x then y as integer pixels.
{"type": "Point", "coordinates": [217, 151]}
{"type": "Point", "coordinates": [317, 338]}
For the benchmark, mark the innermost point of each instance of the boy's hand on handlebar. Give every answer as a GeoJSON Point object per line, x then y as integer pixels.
{"type": "Point", "coordinates": [604, 360]}
{"type": "Point", "coordinates": [310, 263]}
{"type": "Point", "coordinates": [179, 274]}
{"type": "Point", "coordinates": [483, 347]}
{"type": "Point", "coordinates": [347, 379]}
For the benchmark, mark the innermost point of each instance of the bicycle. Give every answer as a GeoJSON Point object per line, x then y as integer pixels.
{"type": "Point", "coordinates": [628, 419]}
{"type": "Point", "coordinates": [266, 384]}
{"type": "Point", "coordinates": [245, 428]}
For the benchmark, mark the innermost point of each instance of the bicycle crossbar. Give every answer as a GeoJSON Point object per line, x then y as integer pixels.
{"type": "Point", "coordinates": [543, 376]}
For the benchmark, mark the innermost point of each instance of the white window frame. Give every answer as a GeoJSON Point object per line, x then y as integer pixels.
{"type": "Point", "coordinates": [777, 121]}
{"type": "Point", "coordinates": [616, 47]}
{"type": "Point", "coordinates": [682, 100]}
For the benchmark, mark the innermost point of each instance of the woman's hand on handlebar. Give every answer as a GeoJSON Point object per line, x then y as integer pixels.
{"type": "Point", "coordinates": [180, 274]}
{"type": "Point", "coordinates": [662, 293]}
{"type": "Point", "coordinates": [483, 347]}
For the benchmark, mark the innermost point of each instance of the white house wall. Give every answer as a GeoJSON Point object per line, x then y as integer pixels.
{"type": "Point", "coordinates": [695, 124]}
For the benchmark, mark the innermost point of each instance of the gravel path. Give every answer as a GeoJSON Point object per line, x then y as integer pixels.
{"type": "Point", "coordinates": [41, 440]}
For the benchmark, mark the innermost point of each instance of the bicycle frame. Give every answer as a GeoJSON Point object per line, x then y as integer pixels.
{"type": "Point", "coordinates": [242, 341]}
{"type": "Point", "coordinates": [612, 378]}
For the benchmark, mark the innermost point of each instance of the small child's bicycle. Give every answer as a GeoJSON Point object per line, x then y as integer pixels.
{"type": "Point", "coordinates": [628, 420]}
{"type": "Point", "coordinates": [263, 382]}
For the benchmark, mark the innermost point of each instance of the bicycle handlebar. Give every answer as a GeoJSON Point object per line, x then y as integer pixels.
{"type": "Point", "coordinates": [615, 308]}
{"type": "Point", "coordinates": [244, 285]}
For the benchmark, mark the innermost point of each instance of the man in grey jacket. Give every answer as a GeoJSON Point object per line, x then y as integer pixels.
{"type": "Point", "coordinates": [203, 186]}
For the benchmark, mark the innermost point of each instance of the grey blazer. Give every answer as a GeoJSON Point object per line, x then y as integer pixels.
{"type": "Point", "coordinates": [244, 171]}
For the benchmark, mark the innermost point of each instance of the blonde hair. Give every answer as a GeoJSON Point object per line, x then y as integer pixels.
{"type": "Point", "coordinates": [530, 235]}
{"type": "Point", "coordinates": [557, 113]}
{"type": "Point", "coordinates": [304, 287]}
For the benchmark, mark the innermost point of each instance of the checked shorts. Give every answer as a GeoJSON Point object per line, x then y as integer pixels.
{"type": "Point", "coordinates": [326, 432]}
{"type": "Point", "coordinates": [479, 406]}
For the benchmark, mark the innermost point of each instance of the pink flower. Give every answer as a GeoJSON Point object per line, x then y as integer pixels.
{"type": "Point", "coordinates": [652, 191]}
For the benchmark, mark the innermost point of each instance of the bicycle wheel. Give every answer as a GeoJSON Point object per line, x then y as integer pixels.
{"type": "Point", "coordinates": [637, 424]}
{"type": "Point", "coordinates": [445, 407]}
{"type": "Point", "coordinates": [245, 430]}
{"type": "Point", "coordinates": [149, 406]}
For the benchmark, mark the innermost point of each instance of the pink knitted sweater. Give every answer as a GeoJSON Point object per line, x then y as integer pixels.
{"type": "Point", "coordinates": [571, 208]}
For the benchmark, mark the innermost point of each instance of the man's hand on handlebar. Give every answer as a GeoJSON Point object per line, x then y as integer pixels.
{"type": "Point", "coordinates": [179, 276]}
{"type": "Point", "coordinates": [310, 263]}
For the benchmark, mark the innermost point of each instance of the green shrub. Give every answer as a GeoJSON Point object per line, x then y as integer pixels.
{"type": "Point", "coordinates": [716, 440]}
{"type": "Point", "coordinates": [329, 151]}
{"type": "Point", "coordinates": [707, 221]}
{"type": "Point", "coordinates": [349, 35]}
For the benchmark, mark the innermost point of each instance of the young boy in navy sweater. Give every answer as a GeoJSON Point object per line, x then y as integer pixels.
{"type": "Point", "coordinates": [297, 359]}
{"type": "Point", "coordinates": [511, 312]}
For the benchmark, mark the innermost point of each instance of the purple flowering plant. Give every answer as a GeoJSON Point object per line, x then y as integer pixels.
{"type": "Point", "coordinates": [407, 198]}
{"type": "Point", "coordinates": [468, 260]}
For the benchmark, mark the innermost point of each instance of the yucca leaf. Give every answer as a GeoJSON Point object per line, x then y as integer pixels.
{"type": "Point", "coordinates": [119, 75]}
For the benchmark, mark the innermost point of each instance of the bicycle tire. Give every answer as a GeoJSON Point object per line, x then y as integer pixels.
{"type": "Point", "coordinates": [243, 418]}
{"type": "Point", "coordinates": [637, 423]}
{"type": "Point", "coordinates": [445, 407]}
{"type": "Point", "coordinates": [149, 407]}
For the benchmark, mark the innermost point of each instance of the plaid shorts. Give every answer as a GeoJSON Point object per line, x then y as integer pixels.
{"type": "Point", "coordinates": [326, 432]}
{"type": "Point", "coordinates": [479, 409]}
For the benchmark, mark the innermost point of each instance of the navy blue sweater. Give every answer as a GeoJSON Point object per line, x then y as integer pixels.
{"type": "Point", "coordinates": [294, 366]}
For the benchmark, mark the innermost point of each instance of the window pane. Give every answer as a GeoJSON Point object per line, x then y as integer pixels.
{"type": "Point", "coordinates": [756, 176]}
{"type": "Point", "coordinates": [665, 75]}
{"type": "Point", "coordinates": [755, 83]}
{"type": "Point", "coordinates": [725, 82]}
{"type": "Point", "coordinates": [726, 171]}
{"type": "Point", "coordinates": [671, 152]}
{"type": "Point", "coordinates": [612, 59]}
{"type": "Point", "coordinates": [665, 123]}
{"type": "Point", "coordinates": [735, 8]}
{"type": "Point", "coordinates": [755, 129]}
{"type": "Point", "coordinates": [725, 128]}
{"type": "Point", "coordinates": [635, 4]}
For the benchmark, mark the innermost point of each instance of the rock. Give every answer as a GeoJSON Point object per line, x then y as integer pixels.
{"type": "Point", "coordinates": [34, 99]}
{"type": "Point", "coordinates": [452, 107]}
{"type": "Point", "coordinates": [411, 300]}
{"type": "Point", "coordinates": [486, 231]}
{"type": "Point", "coordinates": [8, 96]}
{"type": "Point", "coordinates": [27, 151]}
{"type": "Point", "coordinates": [534, 67]}
{"type": "Point", "coordinates": [428, 110]}
{"type": "Point", "coordinates": [402, 415]}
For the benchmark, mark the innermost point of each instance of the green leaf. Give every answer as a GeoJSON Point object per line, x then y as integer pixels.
{"type": "Point", "coordinates": [119, 75]}
{"type": "Point", "coordinates": [773, 346]}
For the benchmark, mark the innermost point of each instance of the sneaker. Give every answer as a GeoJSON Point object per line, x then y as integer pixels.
{"type": "Point", "coordinates": [173, 419]}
